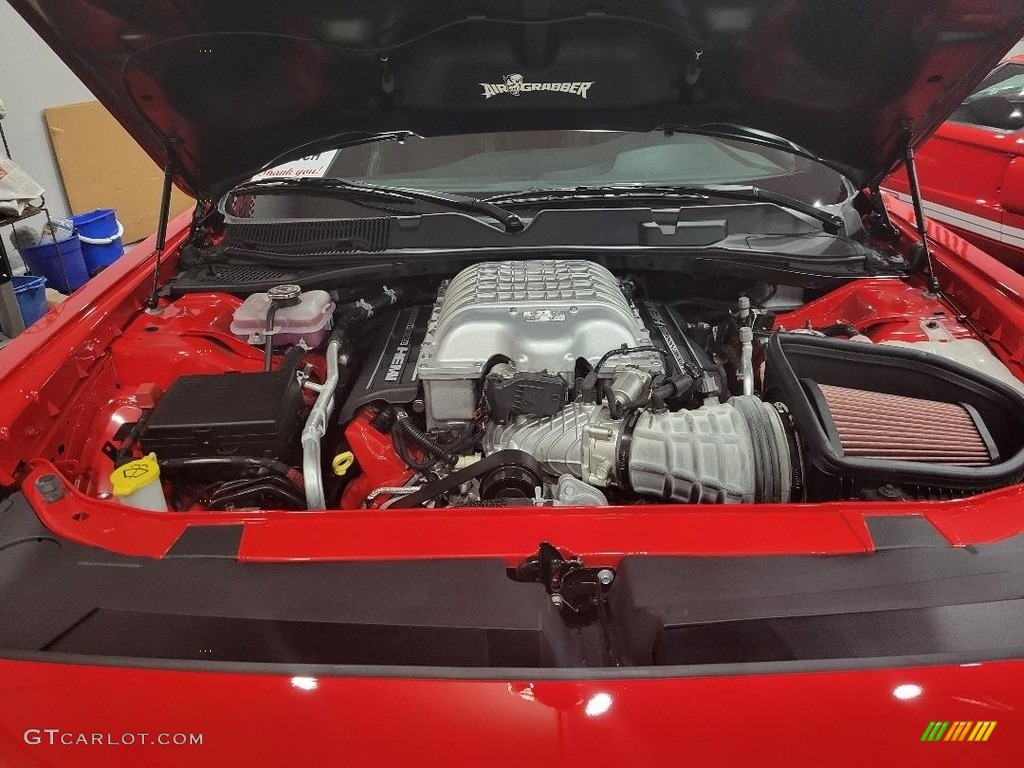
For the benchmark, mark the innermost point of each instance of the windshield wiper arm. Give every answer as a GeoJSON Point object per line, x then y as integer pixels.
{"type": "Point", "coordinates": [832, 223]}
{"type": "Point", "coordinates": [591, 192]}
{"type": "Point", "coordinates": [743, 133]}
{"type": "Point", "coordinates": [341, 188]}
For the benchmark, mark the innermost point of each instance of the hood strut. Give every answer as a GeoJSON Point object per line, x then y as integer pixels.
{"type": "Point", "coordinates": [153, 302]}
{"type": "Point", "coordinates": [922, 221]}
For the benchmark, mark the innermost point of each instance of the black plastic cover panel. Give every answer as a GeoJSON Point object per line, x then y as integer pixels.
{"type": "Point", "coordinates": [328, 237]}
{"type": "Point", "coordinates": [388, 374]}
{"type": "Point", "coordinates": [229, 414]}
{"type": "Point", "coordinates": [900, 606]}
{"type": "Point", "coordinates": [896, 603]}
{"type": "Point", "coordinates": [197, 604]}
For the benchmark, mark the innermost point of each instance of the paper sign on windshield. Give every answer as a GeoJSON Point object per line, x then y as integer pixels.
{"type": "Point", "coordinates": [312, 166]}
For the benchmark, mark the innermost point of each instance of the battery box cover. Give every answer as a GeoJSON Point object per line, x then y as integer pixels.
{"type": "Point", "coordinates": [231, 414]}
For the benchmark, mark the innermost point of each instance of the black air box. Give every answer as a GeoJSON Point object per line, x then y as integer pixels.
{"type": "Point", "coordinates": [230, 414]}
{"type": "Point", "coordinates": [814, 377]}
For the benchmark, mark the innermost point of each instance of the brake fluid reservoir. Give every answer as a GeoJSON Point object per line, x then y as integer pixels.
{"type": "Point", "coordinates": [137, 484]}
{"type": "Point", "coordinates": [306, 323]}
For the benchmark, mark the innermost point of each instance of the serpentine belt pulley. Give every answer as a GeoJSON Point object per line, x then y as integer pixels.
{"type": "Point", "coordinates": [507, 459]}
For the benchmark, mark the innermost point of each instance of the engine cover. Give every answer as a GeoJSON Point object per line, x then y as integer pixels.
{"type": "Point", "coordinates": [541, 315]}
{"type": "Point", "coordinates": [389, 373]}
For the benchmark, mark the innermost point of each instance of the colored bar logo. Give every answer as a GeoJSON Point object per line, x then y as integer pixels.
{"type": "Point", "coordinates": [959, 730]}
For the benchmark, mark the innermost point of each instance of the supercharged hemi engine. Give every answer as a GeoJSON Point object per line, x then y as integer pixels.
{"type": "Point", "coordinates": [551, 328]}
{"type": "Point", "coordinates": [560, 383]}
{"type": "Point", "coordinates": [524, 326]}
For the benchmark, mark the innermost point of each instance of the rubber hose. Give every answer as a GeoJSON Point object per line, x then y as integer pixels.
{"type": "Point", "coordinates": [364, 312]}
{"type": "Point", "coordinates": [422, 439]}
{"type": "Point", "coordinates": [273, 466]}
{"type": "Point", "coordinates": [840, 329]}
{"type": "Point", "coordinates": [398, 439]}
{"type": "Point", "coordinates": [677, 386]}
{"type": "Point", "coordinates": [268, 344]}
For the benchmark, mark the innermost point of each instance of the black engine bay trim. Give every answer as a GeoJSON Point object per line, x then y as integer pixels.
{"type": "Point", "coordinates": [66, 603]}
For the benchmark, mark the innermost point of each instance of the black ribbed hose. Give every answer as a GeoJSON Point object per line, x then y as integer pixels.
{"type": "Point", "coordinates": [414, 434]}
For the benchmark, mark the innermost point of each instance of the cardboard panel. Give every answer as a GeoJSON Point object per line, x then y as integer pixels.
{"type": "Point", "coordinates": [103, 167]}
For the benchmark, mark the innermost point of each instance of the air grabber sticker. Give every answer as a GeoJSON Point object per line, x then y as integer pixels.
{"type": "Point", "coordinates": [515, 85]}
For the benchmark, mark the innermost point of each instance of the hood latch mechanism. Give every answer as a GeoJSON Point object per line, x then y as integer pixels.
{"type": "Point", "coordinates": [579, 592]}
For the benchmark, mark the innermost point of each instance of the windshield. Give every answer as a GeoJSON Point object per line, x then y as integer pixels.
{"type": "Point", "coordinates": [492, 163]}
{"type": "Point", "coordinates": [507, 162]}
{"type": "Point", "coordinates": [998, 103]}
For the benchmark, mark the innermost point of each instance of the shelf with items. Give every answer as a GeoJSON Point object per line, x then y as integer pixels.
{"type": "Point", "coordinates": [11, 321]}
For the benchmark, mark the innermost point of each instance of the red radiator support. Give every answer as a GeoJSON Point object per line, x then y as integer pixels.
{"type": "Point", "coordinates": [878, 426]}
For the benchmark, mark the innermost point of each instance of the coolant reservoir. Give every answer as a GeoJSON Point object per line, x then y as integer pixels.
{"type": "Point", "coordinates": [137, 484]}
{"type": "Point", "coordinates": [306, 323]}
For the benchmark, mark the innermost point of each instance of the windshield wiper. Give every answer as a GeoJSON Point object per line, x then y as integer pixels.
{"type": "Point", "coordinates": [594, 192]}
{"type": "Point", "coordinates": [745, 134]}
{"type": "Point", "coordinates": [343, 189]}
{"type": "Point", "coordinates": [832, 223]}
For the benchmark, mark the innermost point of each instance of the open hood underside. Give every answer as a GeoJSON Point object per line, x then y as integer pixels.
{"type": "Point", "coordinates": [221, 90]}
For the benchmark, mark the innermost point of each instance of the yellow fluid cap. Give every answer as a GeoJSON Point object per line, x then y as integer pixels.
{"type": "Point", "coordinates": [135, 475]}
{"type": "Point", "coordinates": [343, 462]}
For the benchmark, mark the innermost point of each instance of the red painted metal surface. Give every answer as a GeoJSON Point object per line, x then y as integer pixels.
{"type": "Point", "coordinates": [378, 464]}
{"type": "Point", "coordinates": [974, 178]}
{"type": "Point", "coordinates": [602, 535]}
{"type": "Point", "coordinates": [190, 336]}
{"type": "Point", "coordinates": [822, 719]}
{"type": "Point", "coordinates": [47, 374]}
{"type": "Point", "coordinates": [882, 310]}
{"type": "Point", "coordinates": [985, 294]}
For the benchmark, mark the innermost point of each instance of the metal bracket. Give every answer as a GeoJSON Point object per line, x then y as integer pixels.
{"type": "Point", "coordinates": [579, 592]}
{"type": "Point", "coordinates": [886, 229]}
{"type": "Point", "coordinates": [572, 585]}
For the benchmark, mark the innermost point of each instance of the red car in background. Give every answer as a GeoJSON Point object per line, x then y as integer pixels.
{"type": "Point", "coordinates": [972, 169]}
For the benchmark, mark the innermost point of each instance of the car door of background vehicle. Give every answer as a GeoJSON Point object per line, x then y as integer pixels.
{"type": "Point", "coordinates": [1012, 198]}
{"type": "Point", "coordinates": [972, 169]}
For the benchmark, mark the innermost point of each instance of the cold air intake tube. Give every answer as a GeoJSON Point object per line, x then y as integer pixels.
{"type": "Point", "coordinates": [741, 451]}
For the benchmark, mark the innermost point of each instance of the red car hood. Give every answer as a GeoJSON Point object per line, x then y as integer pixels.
{"type": "Point", "coordinates": [815, 719]}
{"type": "Point", "coordinates": [217, 92]}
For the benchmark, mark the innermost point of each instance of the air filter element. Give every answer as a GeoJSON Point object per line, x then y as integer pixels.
{"type": "Point", "coordinates": [871, 425]}
{"type": "Point", "coordinates": [870, 415]}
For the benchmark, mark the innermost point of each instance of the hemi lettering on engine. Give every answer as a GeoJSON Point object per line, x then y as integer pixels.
{"type": "Point", "coordinates": [401, 354]}
{"type": "Point", "coordinates": [666, 334]}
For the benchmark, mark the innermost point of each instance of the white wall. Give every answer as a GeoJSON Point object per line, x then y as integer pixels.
{"type": "Point", "coordinates": [1019, 50]}
{"type": "Point", "coordinates": [32, 78]}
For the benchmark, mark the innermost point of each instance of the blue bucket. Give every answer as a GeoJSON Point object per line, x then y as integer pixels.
{"type": "Point", "coordinates": [31, 295]}
{"type": "Point", "coordinates": [61, 263]}
{"type": "Point", "coordinates": [100, 233]}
